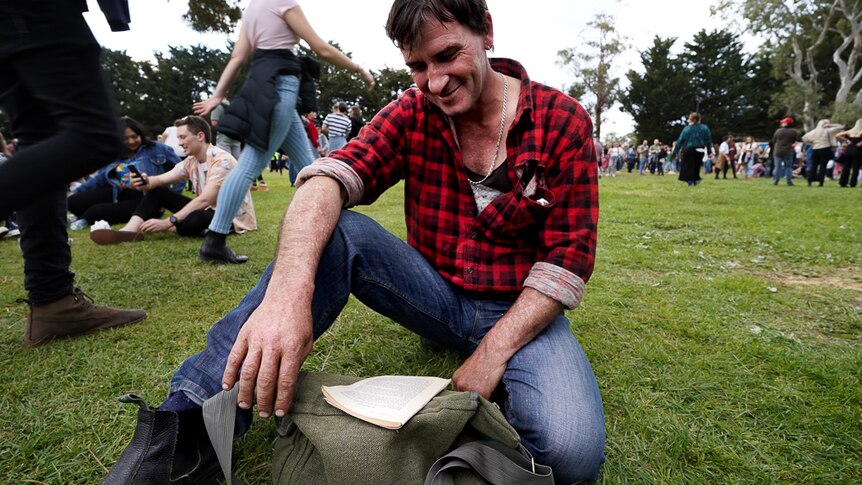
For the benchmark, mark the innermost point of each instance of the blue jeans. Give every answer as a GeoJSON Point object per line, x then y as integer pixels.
{"type": "Point", "coordinates": [641, 164]}
{"type": "Point", "coordinates": [783, 167]}
{"type": "Point", "coordinates": [551, 395]}
{"type": "Point", "coordinates": [336, 142]}
{"type": "Point", "coordinates": [285, 132]}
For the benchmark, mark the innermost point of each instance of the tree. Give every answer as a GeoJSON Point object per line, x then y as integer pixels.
{"type": "Point", "coordinates": [719, 76]}
{"type": "Point", "coordinates": [157, 94]}
{"type": "Point", "coordinates": [337, 84]}
{"type": "Point", "coordinates": [659, 99]}
{"type": "Point", "coordinates": [390, 84]}
{"type": "Point", "coordinates": [127, 81]}
{"type": "Point", "coordinates": [799, 29]}
{"type": "Point", "coordinates": [592, 66]}
{"type": "Point", "coordinates": [213, 15]}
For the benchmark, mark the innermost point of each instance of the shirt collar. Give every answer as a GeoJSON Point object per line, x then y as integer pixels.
{"type": "Point", "coordinates": [515, 69]}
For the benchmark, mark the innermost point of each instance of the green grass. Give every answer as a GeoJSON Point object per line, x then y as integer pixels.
{"type": "Point", "coordinates": [723, 322]}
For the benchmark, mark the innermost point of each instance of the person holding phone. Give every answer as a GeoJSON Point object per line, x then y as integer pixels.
{"type": "Point", "coordinates": [206, 166]}
{"type": "Point", "coordinates": [109, 195]}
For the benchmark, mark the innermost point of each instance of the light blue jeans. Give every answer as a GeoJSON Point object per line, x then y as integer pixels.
{"type": "Point", "coordinates": [782, 167]}
{"type": "Point", "coordinates": [336, 142]}
{"type": "Point", "coordinates": [551, 395]}
{"type": "Point", "coordinates": [286, 132]}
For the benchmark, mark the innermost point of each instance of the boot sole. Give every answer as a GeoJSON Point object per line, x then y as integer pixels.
{"type": "Point", "coordinates": [38, 343]}
{"type": "Point", "coordinates": [106, 237]}
{"type": "Point", "coordinates": [209, 260]}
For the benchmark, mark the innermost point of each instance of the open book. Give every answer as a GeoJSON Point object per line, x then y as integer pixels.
{"type": "Point", "coordinates": [387, 401]}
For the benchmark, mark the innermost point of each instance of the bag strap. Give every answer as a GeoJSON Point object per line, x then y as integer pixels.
{"type": "Point", "coordinates": [495, 462]}
{"type": "Point", "coordinates": [219, 413]}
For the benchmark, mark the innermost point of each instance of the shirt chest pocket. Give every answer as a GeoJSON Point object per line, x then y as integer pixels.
{"type": "Point", "coordinates": [527, 206]}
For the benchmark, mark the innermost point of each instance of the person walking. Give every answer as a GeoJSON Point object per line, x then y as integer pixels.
{"type": "Point", "coordinates": [783, 151]}
{"type": "Point", "coordinates": [852, 154]}
{"type": "Point", "coordinates": [693, 142]}
{"type": "Point", "coordinates": [263, 114]}
{"type": "Point", "coordinates": [53, 90]}
{"type": "Point", "coordinates": [823, 143]}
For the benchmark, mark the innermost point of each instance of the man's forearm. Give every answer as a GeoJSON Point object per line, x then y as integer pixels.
{"type": "Point", "coordinates": [526, 318]}
{"type": "Point", "coordinates": [306, 229]}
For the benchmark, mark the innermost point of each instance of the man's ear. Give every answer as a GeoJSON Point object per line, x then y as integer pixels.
{"type": "Point", "coordinates": [489, 26]}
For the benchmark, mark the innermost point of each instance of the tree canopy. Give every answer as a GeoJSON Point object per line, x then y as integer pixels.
{"type": "Point", "coordinates": [817, 46]}
{"type": "Point", "coordinates": [712, 75]}
{"type": "Point", "coordinates": [157, 93]}
{"type": "Point", "coordinates": [592, 64]}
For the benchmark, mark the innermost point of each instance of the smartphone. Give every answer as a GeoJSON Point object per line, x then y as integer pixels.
{"type": "Point", "coordinates": [134, 170]}
{"type": "Point", "coordinates": [137, 173]}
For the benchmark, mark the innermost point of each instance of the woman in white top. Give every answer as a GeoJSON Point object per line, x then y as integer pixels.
{"type": "Point", "coordinates": [822, 141]}
{"type": "Point", "coordinates": [270, 30]}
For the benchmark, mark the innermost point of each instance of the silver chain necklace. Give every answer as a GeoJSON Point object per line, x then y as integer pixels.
{"type": "Point", "coordinates": [499, 134]}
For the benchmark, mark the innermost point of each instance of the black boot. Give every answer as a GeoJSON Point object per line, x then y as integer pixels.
{"type": "Point", "coordinates": [167, 448]}
{"type": "Point", "coordinates": [215, 250]}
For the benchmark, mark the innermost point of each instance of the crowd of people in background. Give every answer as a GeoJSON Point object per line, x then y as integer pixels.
{"type": "Point", "coordinates": [828, 152]}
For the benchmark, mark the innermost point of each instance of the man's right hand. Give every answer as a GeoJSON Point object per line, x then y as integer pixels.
{"type": "Point", "coordinates": [141, 182]}
{"type": "Point", "coordinates": [267, 356]}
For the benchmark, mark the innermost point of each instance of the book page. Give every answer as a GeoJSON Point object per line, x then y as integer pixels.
{"type": "Point", "coordinates": [388, 401]}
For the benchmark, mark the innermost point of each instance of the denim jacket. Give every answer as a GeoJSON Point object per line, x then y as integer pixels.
{"type": "Point", "coordinates": [151, 160]}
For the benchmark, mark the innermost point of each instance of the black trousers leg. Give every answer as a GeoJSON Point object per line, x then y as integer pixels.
{"type": "Point", "coordinates": [854, 169]}
{"type": "Point", "coordinates": [196, 222]}
{"type": "Point", "coordinates": [54, 92]}
{"type": "Point", "coordinates": [154, 200]}
{"type": "Point", "coordinates": [45, 245]}
{"type": "Point", "coordinates": [81, 201]}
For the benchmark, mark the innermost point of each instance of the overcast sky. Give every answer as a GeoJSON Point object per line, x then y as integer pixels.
{"type": "Point", "coordinates": [531, 32]}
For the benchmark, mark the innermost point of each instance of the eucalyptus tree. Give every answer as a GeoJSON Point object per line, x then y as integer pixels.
{"type": "Point", "coordinates": [592, 65]}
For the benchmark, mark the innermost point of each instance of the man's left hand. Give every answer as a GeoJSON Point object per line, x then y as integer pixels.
{"type": "Point", "coordinates": [480, 373]}
{"type": "Point", "coordinates": [156, 225]}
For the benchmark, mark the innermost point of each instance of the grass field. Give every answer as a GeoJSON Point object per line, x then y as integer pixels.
{"type": "Point", "coordinates": [723, 322]}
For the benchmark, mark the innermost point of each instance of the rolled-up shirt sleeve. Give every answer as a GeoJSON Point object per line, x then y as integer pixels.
{"type": "Point", "coordinates": [338, 170]}
{"type": "Point", "coordinates": [373, 161]}
{"type": "Point", "coordinates": [568, 236]}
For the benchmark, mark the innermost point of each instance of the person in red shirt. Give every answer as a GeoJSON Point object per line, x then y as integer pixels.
{"type": "Point", "coordinates": [501, 205]}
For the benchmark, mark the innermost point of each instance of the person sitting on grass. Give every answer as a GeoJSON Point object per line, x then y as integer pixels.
{"type": "Point", "coordinates": [206, 166]}
{"type": "Point", "coordinates": [108, 195]}
{"type": "Point", "coordinates": [501, 239]}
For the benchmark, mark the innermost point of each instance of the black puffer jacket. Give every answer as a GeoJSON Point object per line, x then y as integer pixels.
{"type": "Point", "coordinates": [250, 112]}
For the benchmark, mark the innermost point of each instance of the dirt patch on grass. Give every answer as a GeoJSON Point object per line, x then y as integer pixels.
{"type": "Point", "coordinates": [836, 279]}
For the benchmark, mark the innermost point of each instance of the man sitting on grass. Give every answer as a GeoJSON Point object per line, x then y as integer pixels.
{"type": "Point", "coordinates": [206, 166]}
{"type": "Point", "coordinates": [501, 202]}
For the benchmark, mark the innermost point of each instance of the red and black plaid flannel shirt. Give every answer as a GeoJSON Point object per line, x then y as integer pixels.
{"type": "Point", "coordinates": [542, 234]}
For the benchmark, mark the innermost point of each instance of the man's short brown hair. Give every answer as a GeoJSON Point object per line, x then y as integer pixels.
{"type": "Point", "coordinates": [407, 17]}
{"type": "Point", "coordinates": [196, 125]}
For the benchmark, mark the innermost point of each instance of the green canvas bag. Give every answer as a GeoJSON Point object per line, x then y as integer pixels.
{"type": "Point", "coordinates": [457, 438]}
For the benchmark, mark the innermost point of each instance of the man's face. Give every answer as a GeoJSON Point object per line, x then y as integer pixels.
{"type": "Point", "coordinates": [189, 141]}
{"type": "Point", "coordinates": [449, 65]}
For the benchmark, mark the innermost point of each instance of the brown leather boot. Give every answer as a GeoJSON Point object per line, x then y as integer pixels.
{"type": "Point", "coordinates": [71, 316]}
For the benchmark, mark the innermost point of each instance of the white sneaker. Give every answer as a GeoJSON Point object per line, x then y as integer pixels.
{"type": "Point", "coordinates": [79, 225]}
{"type": "Point", "coordinates": [3, 231]}
{"type": "Point", "coordinates": [12, 233]}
